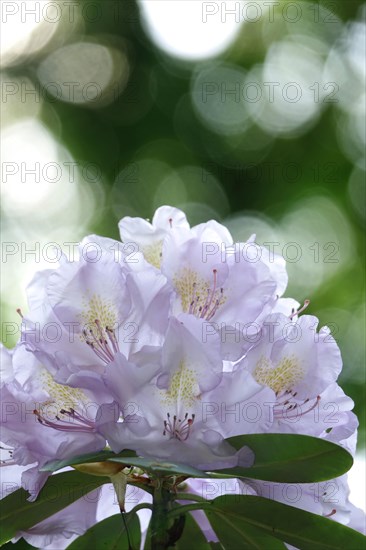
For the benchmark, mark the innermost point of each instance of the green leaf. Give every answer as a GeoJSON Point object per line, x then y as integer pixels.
{"type": "Point", "coordinates": [192, 537]}
{"type": "Point", "coordinates": [230, 515]}
{"type": "Point", "coordinates": [290, 458]}
{"type": "Point", "coordinates": [101, 456]}
{"type": "Point", "coordinates": [111, 534]}
{"type": "Point", "coordinates": [239, 534]}
{"type": "Point", "coordinates": [161, 468]}
{"type": "Point", "coordinates": [18, 514]}
{"type": "Point", "coordinates": [20, 545]}
{"type": "Point", "coordinates": [192, 533]}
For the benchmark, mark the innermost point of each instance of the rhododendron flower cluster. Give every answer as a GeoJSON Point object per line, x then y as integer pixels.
{"type": "Point", "coordinates": [167, 344]}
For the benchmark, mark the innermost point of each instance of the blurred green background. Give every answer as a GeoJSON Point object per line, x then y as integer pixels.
{"type": "Point", "coordinates": [254, 117]}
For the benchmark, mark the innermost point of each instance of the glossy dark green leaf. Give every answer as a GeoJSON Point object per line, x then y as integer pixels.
{"type": "Point", "coordinates": [240, 534]}
{"type": "Point", "coordinates": [290, 458]}
{"type": "Point", "coordinates": [111, 534]}
{"type": "Point", "coordinates": [161, 468]}
{"type": "Point", "coordinates": [300, 528]}
{"type": "Point", "coordinates": [101, 456]}
{"type": "Point", "coordinates": [60, 490]}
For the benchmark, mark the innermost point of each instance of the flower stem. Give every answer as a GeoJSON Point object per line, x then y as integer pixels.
{"type": "Point", "coordinates": [160, 523]}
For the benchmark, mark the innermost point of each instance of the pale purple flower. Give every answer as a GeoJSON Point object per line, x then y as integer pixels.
{"type": "Point", "coordinates": [294, 359]}
{"type": "Point", "coordinates": [168, 343]}
{"type": "Point", "coordinates": [149, 237]}
{"type": "Point", "coordinates": [179, 416]}
{"type": "Point", "coordinates": [92, 311]}
{"type": "Point", "coordinates": [215, 279]}
{"type": "Point", "coordinates": [42, 420]}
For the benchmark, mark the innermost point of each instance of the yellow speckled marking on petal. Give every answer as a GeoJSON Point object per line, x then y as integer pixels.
{"type": "Point", "coordinates": [281, 377]}
{"type": "Point", "coordinates": [152, 253]}
{"type": "Point", "coordinates": [190, 286]}
{"type": "Point", "coordinates": [183, 388]}
{"type": "Point", "coordinates": [63, 397]}
{"type": "Point", "coordinates": [95, 307]}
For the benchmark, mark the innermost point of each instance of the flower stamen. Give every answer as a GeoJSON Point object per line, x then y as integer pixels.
{"type": "Point", "coordinates": [295, 313]}
{"type": "Point", "coordinates": [177, 428]}
{"type": "Point", "coordinates": [7, 461]}
{"type": "Point", "coordinates": [283, 408]}
{"type": "Point", "coordinates": [206, 307]}
{"type": "Point", "coordinates": [103, 341]}
{"type": "Point", "coordinates": [79, 422]}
